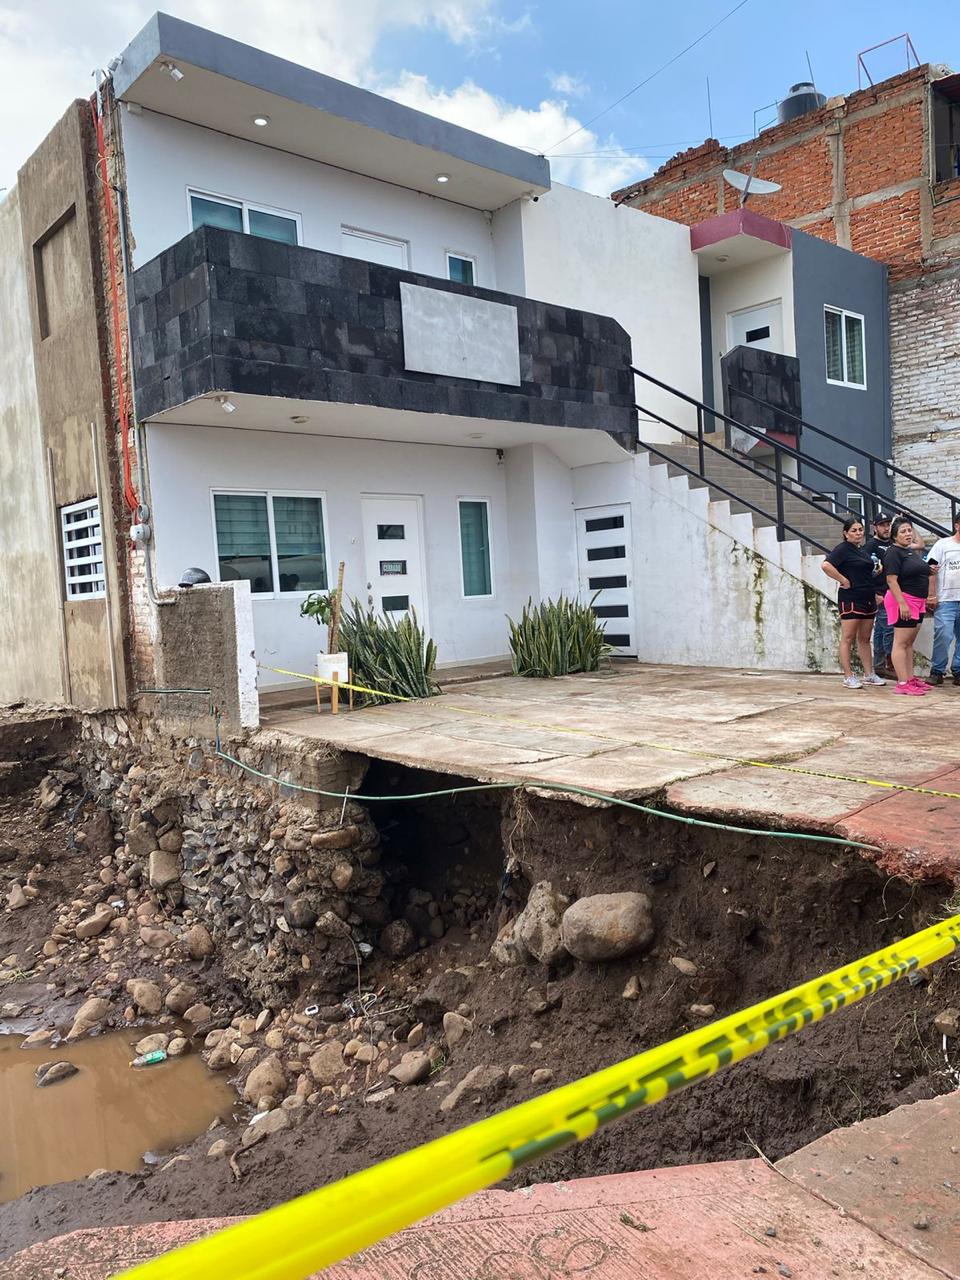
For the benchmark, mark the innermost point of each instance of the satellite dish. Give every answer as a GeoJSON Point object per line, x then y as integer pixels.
{"type": "Point", "coordinates": [748, 185]}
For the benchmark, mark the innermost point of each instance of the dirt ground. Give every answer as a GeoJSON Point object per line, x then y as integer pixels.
{"type": "Point", "coordinates": [754, 915]}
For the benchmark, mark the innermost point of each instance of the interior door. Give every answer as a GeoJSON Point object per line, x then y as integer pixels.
{"type": "Point", "coordinates": [605, 560]}
{"type": "Point", "coordinates": [757, 327]}
{"type": "Point", "coordinates": [393, 554]}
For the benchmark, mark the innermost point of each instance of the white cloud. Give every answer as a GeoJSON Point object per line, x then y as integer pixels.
{"type": "Point", "coordinates": [48, 48]}
{"type": "Point", "coordinates": [533, 128]}
{"type": "Point", "coordinates": [568, 86]}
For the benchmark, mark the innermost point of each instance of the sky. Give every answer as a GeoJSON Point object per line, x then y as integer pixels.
{"type": "Point", "coordinates": [534, 73]}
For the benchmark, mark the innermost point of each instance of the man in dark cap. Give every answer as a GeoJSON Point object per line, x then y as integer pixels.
{"type": "Point", "coordinates": [882, 631]}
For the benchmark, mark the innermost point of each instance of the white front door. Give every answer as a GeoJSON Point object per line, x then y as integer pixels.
{"type": "Point", "coordinates": [756, 327]}
{"type": "Point", "coordinates": [605, 561]}
{"type": "Point", "coordinates": [393, 554]}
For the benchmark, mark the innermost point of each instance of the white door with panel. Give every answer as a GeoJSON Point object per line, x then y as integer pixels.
{"type": "Point", "coordinates": [756, 327]}
{"type": "Point", "coordinates": [393, 553]}
{"type": "Point", "coordinates": [605, 561]}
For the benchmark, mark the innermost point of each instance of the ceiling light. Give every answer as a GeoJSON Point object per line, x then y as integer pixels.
{"type": "Point", "coordinates": [261, 121]}
{"type": "Point", "coordinates": [475, 435]}
{"type": "Point", "coordinates": [722, 258]}
{"type": "Point", "coordinates": [172, 70]}
{"type": "Point", "coordinates": [443, 177]}
{"type": "Point", "coordinates": [298, 417]}
{"type": "Point", "coordinates": [226, 404]}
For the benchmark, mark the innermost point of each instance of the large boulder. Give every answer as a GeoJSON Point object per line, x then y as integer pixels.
{"type": "Point", "coordinates": [299, 911]}
{"type": "Point", "coordinates": [606, 926]}
{"type": "Point", "coordinates": [93, 925]}
{"type": "Point", "coordinates": [397, 940]}
{"type": "Point", "coordinates": [145, 995]}
{"type": "Point", "coordinates": [537, 929]}
{"type": "Point", "coordinates": [180, 997]}
{"type": "Point", "coordinates": [197, 942]}
{"type": "Point", "coordinates": [164, 869]}
{"type": "Point", "coordinates": [485, 1084]}
{"type": "Point", "coordinates": [267, 1080]}
{"type": "Point", "coordinates": [89, 1016]}
{"type": "Point", "coordinates": [327, 1063]}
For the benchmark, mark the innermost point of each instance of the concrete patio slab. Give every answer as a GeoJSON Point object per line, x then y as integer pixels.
{"type": "Point", "coordinates": [639, 731]}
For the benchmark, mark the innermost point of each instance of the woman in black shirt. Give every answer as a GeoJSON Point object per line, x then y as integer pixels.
{"type": "Point", "coordinates": [908, 584]}
{"type": "Point", "coordinates": [850, 566]}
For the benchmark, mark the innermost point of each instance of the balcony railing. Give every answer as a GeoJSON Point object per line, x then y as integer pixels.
{"type": "Point", "coordinates": [226, 312]}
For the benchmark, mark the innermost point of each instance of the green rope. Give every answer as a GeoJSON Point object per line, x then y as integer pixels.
{"type": "Point", "coordinates": [567, 788]}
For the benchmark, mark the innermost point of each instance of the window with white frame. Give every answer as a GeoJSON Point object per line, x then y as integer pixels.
{"type": "Point", "coordinates": [843, 339]}
{"type": "Point", "coordinates": [475, 546]}
{"type": "Point", "coordinates": [275, 541]}
{"type": "Point", "coordinates": [462, 268]}
{"type": "Point", "coordinates": [208, 210]}
{"type": "Point", "coordinates": [373, 247]}
{"type": "Point", "coordinates": [82, 541]}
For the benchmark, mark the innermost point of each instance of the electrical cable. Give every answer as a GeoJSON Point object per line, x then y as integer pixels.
{"type": "Point", "coordinates": [653, 75]}
{"type": "Point", "coordinates": [538, 784]}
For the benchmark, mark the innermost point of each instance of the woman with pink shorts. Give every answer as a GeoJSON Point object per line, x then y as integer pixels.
{"type": "Point", "coordinates": [908, 581]}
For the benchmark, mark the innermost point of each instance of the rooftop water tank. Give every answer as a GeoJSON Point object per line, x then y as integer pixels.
{"type": "Point", "coordinates": [803, 97]}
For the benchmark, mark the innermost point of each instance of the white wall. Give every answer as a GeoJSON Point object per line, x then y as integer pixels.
{"type": "Point", "coordinates": [582, 251]}
{"type": "Point", "coordinates": [186, 463]}
{"type": "Point", "coordinates": [165, 156]}
{"type": "Point", "coordinates": [749, 286]}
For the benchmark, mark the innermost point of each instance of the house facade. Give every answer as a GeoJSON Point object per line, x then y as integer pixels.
{"type": "Point", "coordinates": [296, 325]}
{"type": "Point", "coordinates": [876, 172]}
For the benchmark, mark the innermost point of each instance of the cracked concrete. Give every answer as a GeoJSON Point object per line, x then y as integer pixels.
{"type": "Point", "coordinates": [683, 736]}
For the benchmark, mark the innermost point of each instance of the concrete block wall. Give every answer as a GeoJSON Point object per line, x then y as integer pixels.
{"type": "Point", "coordinates": [925, 344]}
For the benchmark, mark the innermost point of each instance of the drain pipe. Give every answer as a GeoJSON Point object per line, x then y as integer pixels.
{"type": "Point", "coordinates": [141, 533]}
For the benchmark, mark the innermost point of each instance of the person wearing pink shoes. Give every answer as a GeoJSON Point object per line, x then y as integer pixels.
{"type": "Point", "coordinates": [908, 581]}
{"type": "Point", "coordinates": [851, 567]}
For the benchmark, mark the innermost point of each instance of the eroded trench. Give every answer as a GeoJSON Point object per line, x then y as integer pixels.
{"type": "Point", "coordinates": [434, 883]}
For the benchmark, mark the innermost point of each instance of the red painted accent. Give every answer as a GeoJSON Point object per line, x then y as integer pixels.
{"type": "Point", "coordinates": [740, 222]}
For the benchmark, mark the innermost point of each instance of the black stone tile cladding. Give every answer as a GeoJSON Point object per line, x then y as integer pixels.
{"type": "Point", "coordinates": [224, 312]}
{"type": "Point", "coordinates": [774, 378]}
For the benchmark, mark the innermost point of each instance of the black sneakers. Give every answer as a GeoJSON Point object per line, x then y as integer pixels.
{"type": "Point", "coordinates": [936, 677]}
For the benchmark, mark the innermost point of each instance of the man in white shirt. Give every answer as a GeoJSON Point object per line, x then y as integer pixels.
{"type": "Point", "coordinates": [944, 597]}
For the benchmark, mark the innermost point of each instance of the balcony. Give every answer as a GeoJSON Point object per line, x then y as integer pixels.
{"type": "Point", "coordinates": [226, 313]}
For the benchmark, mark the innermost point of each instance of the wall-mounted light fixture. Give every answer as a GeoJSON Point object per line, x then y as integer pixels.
{"type": "Point", "coordinates": [172, 70]}
{"type": "Point", "coordinates": [226, 404]}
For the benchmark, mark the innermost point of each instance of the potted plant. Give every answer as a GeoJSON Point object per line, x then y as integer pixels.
{"type": "Point", "coordinates": [324, 608]}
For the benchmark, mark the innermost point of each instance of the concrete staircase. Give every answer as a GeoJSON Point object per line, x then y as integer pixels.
{"type": "Point", "coordinates": [817, 525]}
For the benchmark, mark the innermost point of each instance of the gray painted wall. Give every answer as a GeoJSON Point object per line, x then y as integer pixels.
{"type": "Point", "coordinates": [706, 343]}
{"type": "Point", "coordinates": [826, 275]}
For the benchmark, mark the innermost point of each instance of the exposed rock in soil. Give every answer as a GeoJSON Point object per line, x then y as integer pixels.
{"type": "Point", "coordinates": [537, 930]}
{"type": "Point", "coordinates": [606, 926]}
{"type": "Point", "coordinates": [53, 1072]}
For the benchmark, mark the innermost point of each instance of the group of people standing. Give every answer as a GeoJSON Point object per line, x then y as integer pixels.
{"type": "Point", "coordinates": [887, 584]}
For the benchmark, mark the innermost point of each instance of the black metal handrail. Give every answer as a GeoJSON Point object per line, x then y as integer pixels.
{"type": "Point", "coordinates": [873, 458]}
{"type": "Point", "coordinates": [779, 451]}
{"type": "Point", "coordinates": [777, 479]}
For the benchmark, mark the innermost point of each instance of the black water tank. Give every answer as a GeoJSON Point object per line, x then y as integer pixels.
{"type": "Point", "coordinates": [803, 97]}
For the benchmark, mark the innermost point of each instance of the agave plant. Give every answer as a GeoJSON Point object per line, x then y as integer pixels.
{"type": "Point", "coordinates": [388, 654]}
{"type": "Point", "coordinates": [557, 638]}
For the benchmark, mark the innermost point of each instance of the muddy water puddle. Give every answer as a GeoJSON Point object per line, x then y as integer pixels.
{"type": "Point", "coordinates": [105, 1117]}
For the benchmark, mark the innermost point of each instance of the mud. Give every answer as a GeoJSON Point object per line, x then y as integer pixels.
{"type": "Point", "coordinates": [107, 1116]}
{"type": "Point", "coordinates": [754, 914]}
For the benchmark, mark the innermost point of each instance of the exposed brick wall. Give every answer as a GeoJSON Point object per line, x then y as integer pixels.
{"type": "Point", "coordinates": [805, 172]}
{"type": "Point", "coordinates": [883, 150]}
{"type": "Point", "coordinates": [890, 231]}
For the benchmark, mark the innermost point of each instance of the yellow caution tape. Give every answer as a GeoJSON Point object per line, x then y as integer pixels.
{"type": "Point", "coordinates": [341, 684]}
{"type": "Point", "coordinates": [326, 1226]}
{"type": "Point", "coordinates": [639, 742]}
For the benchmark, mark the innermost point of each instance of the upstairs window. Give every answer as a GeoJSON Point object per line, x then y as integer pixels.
{"type": "Point", "coordinates": [843, 340]}
{"type": "Point", "coordinates": [274, 541]}
{"type": "Point", "coordinates": [461, 268]}
{"type": "Point", "coordinates": [82, 542]}
{"type": "Point", "coordinates": [240, 215]}
{"type": "Point", "coordinates": [373, 247]}
{"type": "Point", "coordinates": [946, 130]}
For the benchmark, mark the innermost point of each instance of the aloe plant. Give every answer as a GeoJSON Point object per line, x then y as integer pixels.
{"type": "Point", "coordinates": [557, 638]}
{"type": "Point", "coordinates": [392, 655]}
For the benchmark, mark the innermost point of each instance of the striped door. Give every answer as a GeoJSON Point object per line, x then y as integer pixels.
{"type": "Point", "coordinates": [605, 560]}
